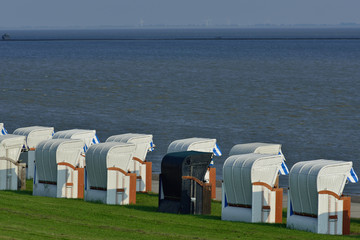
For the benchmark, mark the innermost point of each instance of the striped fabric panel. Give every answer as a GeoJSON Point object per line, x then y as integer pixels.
{"type": "Point", "coordinates": [352, 176]}
{"type": "Point", "coordinates": [95, 140]}
{"type": "Point", "coordinates": [3, 131]}
{"type": "Point", "coordinates": [284, 169]}
{"type": "Point", "coordinates": [85, 148]}
{"type": "Point", "coordinates": [217, 151]}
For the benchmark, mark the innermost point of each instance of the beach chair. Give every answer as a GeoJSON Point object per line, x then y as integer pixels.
{"type": "Point", "coordinates": [249, 191]}
{"type": "Point", "coordinates": [315, 198]}
{"type": "Point", "coordinates": [108, 178]}
{"type": "Point", "coordinates": [200, 145]}
{"type": "Point", "coordinates": [182, 185]}
{"type": "Point", "coordinates": [57, 170]}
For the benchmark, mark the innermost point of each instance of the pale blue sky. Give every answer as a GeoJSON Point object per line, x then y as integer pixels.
{"type": "Point", "coordinates": [92, 13]}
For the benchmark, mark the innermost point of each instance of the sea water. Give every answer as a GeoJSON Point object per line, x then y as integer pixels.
{"type": "Point", "coordinates": [296, 87]}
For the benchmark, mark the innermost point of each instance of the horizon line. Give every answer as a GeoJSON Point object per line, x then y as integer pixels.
{"type": "Point", "coordinates": [201, 26]}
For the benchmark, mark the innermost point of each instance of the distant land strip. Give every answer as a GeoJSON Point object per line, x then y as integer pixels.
{"type": "Point", "coordinates": [186, 39]}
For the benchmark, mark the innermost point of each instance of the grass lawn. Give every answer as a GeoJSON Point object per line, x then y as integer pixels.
{"type": "Point", "coordinates": [23, 216]}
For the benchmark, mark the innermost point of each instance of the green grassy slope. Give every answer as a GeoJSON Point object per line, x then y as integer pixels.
{"type": "Point", "coordinates": [23, 216]}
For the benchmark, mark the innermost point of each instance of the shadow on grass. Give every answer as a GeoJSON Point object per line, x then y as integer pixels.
{"type": "Point", "coordinates": [355, 220]}
{"type": "Point", "coordinates": [277, 225]}
{"type": "Point", "coordinates": [218, 218]}
{"type": "Point", "coordinates": [24, 192]}
{"type": "Point", "coordinates": [211, 217]}
{"type": "Point", "coordinates": [353, 235]}
{"type": "Point", "coordinates": [150, 194]}
{"type": "Point", "coordinates": [142, 208]}
{"type": "Point", "coordinates": [21, 192]}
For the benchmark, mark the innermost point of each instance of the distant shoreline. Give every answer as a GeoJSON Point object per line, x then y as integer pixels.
{"type": "Point", "coordinates": [231, 26]}
{"type": "Point", "coordinates": [183, 39]}
{"type": "Point", "coordinates": [185, 34]}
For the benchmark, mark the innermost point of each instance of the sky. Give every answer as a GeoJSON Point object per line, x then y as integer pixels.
{"type": "Point", "coordinates": [98, 13]}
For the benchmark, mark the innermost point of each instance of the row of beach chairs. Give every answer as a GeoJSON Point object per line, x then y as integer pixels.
{"type": "Point", "coordinates": [74, 164]}
{"type": "Point", "coordinates": [57, 161]}
{"type": "Point", "coordinates": [250, 189]}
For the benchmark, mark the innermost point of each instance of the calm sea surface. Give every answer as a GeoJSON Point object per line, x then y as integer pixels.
{"type": "Point", "coordinates": [297, 87]}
